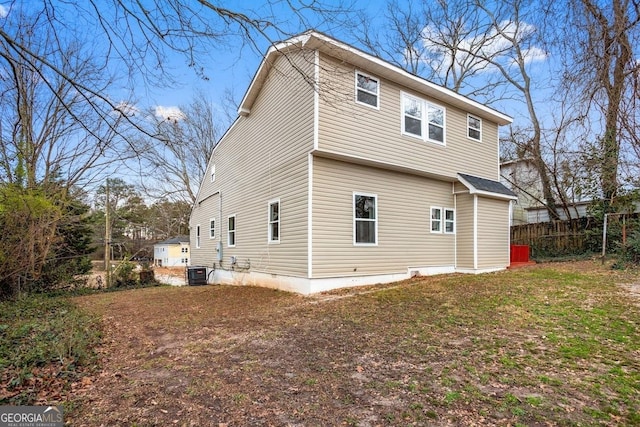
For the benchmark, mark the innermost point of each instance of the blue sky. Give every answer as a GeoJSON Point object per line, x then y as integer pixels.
{"type": "Point", "coordinates": [231, 67]}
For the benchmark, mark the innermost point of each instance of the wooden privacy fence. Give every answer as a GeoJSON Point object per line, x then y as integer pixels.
{"type": "Point", "coordinates": [554, 237]}
{"type": "Point", "coordinates": [575, 236]}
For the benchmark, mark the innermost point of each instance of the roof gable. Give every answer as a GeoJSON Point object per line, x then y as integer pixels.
{"type": "Point", "coordinates": [369, 63]}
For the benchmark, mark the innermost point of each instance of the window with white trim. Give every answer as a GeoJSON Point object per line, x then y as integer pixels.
{"type": "Point", "coordinates": [184, 250]}
{"type": "Point", "coordinates": [436, 220]}
{"type": "Point", "coordinates": [365, 221]}
{"type": "Point", "coordinates": [213, 173]}
{"type": "Point", "coordinates": [474, 128]}
{"type": "Point", "coordinates": [212, 228]}
{"type": "Point", "coordinates": [198, 236]}
{"type": "Point", "coordinates": [443, 220]}
{"type": "Point", "coordinates": [274, 221]}
{"type": "Point", "coordinates": [449, 221]}
{"type": "Point", "coordinates": [367, 90]}
{"type": "Point", "coordinates": [423, 119]}
{"type": "Point", "coordinates": [231, 231]}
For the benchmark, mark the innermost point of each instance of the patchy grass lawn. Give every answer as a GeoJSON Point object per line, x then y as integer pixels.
{"type": "Point", "coordinates": [554, 344]}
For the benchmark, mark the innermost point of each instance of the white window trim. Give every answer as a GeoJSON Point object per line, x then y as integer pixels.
{"type": "Point", "coordinates": [424, 120]}
{"type": "Point", "coordinates": [270, 239]}
{"type": "Point", "coordinates": [431, 220]}
{"type": "Point", "coordinates": [213, 173]}
{"type": "Point", "coordinates": [353, 215]}
{"type": "Point", "coordinates": [198, 235]}
{"type": "Point", "coordinates": [444, 221]}
{"type": "Point", "coordinates": [479, 139]}
{"type": "Point", "coordinates": [235, 231]}
{"type": "Point", "coordinates": [214, 228]}
{"type": "Point", "coordinates": [357, 88]}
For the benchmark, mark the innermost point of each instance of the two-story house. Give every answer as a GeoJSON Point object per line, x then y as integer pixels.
{"type": "Point", "coordinates": [344, 170]}
{"type": "Point", "coordinates": [172, 252]}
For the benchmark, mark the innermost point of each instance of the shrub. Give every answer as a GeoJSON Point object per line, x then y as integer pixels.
{"type": "Point", "coordinates": [629, 253]}
{"type": "Point", "coordinates": [124, 275]}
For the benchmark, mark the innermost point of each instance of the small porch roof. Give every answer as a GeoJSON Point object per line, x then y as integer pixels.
{"type": "Point", "coordinates": [486, 187]}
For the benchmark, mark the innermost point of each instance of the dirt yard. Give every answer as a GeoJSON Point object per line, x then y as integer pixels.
{"type": "Point", "coordinates": [497, 349]}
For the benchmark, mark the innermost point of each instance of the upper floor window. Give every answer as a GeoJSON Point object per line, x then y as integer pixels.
{"type": "Point", "coordinates": [198, 236]}
{"type": "Point", "coordinates": [274, 221]}
{"type": "Point", "coordinates": [365, 222]}
{"type": "Point", "coordinates": [184, 250]}
{"type": "Point", "coordinates": [474, 127]}
{"type": "Point", "coordinates": [367, 90]}
{"type": "Point", "coordinates": [213, 173]}
{"type": "Point", "coordinates": [212, 228]}
{"type": "Point", "coordinates": [423, 119]}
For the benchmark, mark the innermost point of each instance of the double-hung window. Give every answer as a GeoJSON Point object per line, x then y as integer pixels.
{"type": "Point", "coordinates": [367, 90]}
{"type": "Point", "coordinates": [443, 220]}
{"type": "Point", "coordinates": [423, 119]}
{"type": "Point", "coordinates": [212, 228]}
{"type": "Point", "coordinates": [231, 231]}
{"type": "Point", "coordinates": [274, 221]}
{"type": "Point", "coordinates": [198, 236]}
{"type": "Point", "coordinates": [213, 173]}
{"type": "Point", "coordinates": [365, 219]}
{"type": "Point", "coordinates": [449, 221]}
{"type": "Point", "coordinates": [474, 128]}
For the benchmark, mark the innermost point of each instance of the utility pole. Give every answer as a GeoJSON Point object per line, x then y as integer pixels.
{"type": "Point", "coordinates": [107, 239]}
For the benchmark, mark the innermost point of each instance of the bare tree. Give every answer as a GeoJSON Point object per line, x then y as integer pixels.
{"type": "Point", "coordinates": [48, 131]}
{"type": "Point", "coordinates": [136, 37]}
{"type": "Point", "coordinates": [401, 43]}
{"type": "Point", "coordinates": [448, 42]}
{"type": "Point", "coordinates": [174, 161]}
{"type": "Point", "coordinates": [602, 70]}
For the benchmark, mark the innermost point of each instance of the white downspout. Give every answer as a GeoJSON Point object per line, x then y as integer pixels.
{"type": "Point", "coordinates": [475, 231]}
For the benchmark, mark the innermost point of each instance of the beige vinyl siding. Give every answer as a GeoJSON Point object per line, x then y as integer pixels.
{"type": "Point", "coordinates": [264, 156]}
{"type": "Point", "coordinates": [201, 215]}
{"type": "Point", "coordinates": [464, 233]}
{"type": "Point", "coordinates": [353, 129]}
{"type": "Point", "coordinates": [493, 233]}
{"type": "Point", "coordinates": [403, 211]}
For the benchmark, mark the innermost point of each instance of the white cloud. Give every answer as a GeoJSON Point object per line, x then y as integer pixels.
{"type": "Point", "coordinates": [127, 109]}
{"type": "Point", "coordinates": [3, 11]}
{"type": "Point", "coordinates": [495, 45]}
{"type": "Point", "coordinates": [169, 113]}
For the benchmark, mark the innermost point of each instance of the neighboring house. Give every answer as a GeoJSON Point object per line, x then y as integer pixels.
{"type": "Point", "coordinates": [522, 177]}
{"type": "Point", "coordinates": [173, 252]}
{"type": "Point", "coordinates": [345, 170]}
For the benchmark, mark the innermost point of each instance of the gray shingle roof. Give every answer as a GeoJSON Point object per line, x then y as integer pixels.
{"type": "Point", "coordinates": [486, 186]}
{"type": "Point", "coordinates": [174, 240]}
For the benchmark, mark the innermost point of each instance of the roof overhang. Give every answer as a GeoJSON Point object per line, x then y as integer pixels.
{"type": "Point", "coordinates": [371, 64]}
{"type": "Point", "coordinates": [486, 187]}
